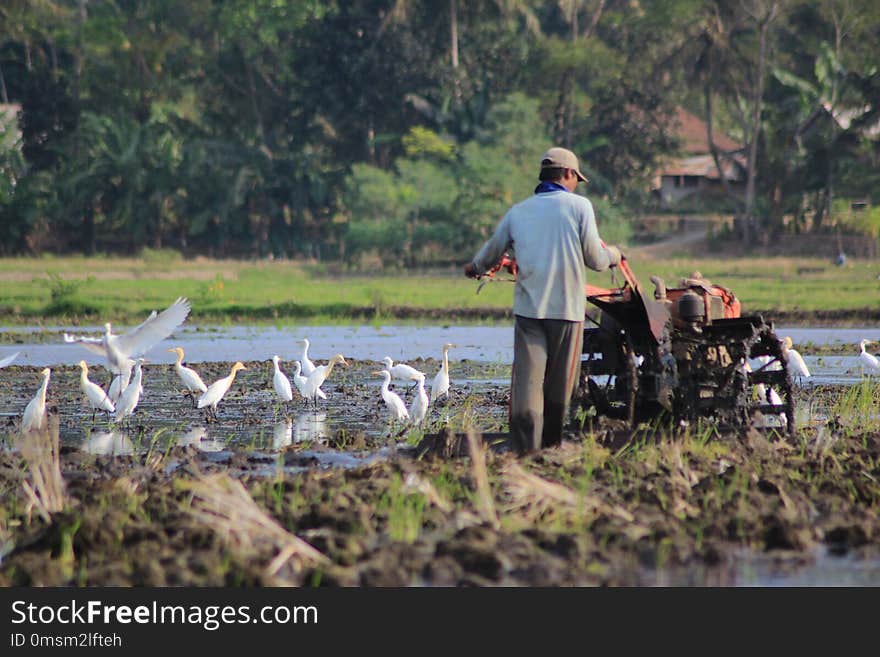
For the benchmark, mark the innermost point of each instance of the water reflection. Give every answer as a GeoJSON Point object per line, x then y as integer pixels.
{"type": "Point", "coordinates": [108, 443]}
{"type": "Point", "coordinates": [198, 438]}
{"type": "Point", "coordinates": [282, 434]}
{"type": "Point", "coordinates": [192, 437]}
{"type": "Point", "coordinates": [311, 426]}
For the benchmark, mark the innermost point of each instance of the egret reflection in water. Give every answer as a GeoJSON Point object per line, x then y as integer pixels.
{"type": "Point", "coordinates": [310, 427]}
{"type": "Point", "coordinates": [108, 443]}
{"type": "Point", "coordinates": [198, 438]}
{"type": "Point", "coordinates": [282, 434]}
{"type": "Point", "coordinates": [192, 437]}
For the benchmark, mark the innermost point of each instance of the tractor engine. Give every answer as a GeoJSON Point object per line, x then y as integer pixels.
{"type": "Point", "coordinates": [682, 353]}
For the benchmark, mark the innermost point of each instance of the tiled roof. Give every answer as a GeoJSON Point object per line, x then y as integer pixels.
{"type": "Point", "coordinates": [704, 166]}
{"type": "Point", "coordinates": [691, 130]}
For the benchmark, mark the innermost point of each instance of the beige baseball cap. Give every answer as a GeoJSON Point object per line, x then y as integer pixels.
{"type": "Point", "coordinates": [563, 158]}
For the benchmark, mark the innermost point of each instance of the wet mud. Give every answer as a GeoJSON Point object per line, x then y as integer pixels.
{"type": "Point", "coordinates": [387, 506]}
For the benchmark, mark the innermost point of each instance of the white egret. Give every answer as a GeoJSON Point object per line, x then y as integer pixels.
{"type": "Point", "coordinates": [766, 394]}
{"type": "Point", "coordinates": [396, 407]}
{"type": "Point", "coordinates": [188, 376]}
{"type": "Point", "coordinates": [281, 382]}
{"type": "Point", "coordinates": [418, 410]}
{"type": "Point", "coordinates": [796, 365]}
{"type": "Point", "coordinates": [401, 370]}
{"type": "Point", "coordinates": [119, 383]}
{"type": "Point", "coordinates": [130, 397]}
{"type": "Point", "coordinates": [8, 360]}
{"type": "Point", "coordinates": [868, 360]}
{"type": "Point", "coordinates": [120, 350]}
{"type": "Point", "coordinates": [215, 392]}
{"type": "Point", "coordinates": [307, 365]}
{"type": "Point", "coordinates": [317, 378]}
{"type": "Point", "coordinates": [98, 399]}
{"type": "Point", "coordinates": [300, 382]}
{"type": "Point", "coordinates": [440, 385]}
{"type": "Point", "coordinates": [35, 411]}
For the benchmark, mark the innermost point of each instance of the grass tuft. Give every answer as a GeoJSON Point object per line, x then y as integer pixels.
{"type": "Point", "coordinates": [45, 492]}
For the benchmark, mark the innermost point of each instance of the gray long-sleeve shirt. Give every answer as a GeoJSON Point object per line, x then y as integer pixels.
{"type": "Point", "coordinates": [553, 236]}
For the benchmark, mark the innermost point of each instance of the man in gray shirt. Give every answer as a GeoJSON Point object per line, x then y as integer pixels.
{"type": "Point", "coordinates": [553, 237]}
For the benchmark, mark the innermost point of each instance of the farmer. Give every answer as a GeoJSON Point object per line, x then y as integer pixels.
{"type": "Point", "coordinates": [553, 236]}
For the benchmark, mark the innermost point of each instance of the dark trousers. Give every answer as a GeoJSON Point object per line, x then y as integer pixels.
{"type": "Point", "coordinates": [546, 367]}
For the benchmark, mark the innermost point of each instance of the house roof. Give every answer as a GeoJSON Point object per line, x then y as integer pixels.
{"type": "Point", "coordinates": [691, 130]}
{"type": "Point", "coordinates": [704, 166]}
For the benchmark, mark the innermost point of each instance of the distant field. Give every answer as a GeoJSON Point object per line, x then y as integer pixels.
{"type": "Point", "coordinates": [82, 290]}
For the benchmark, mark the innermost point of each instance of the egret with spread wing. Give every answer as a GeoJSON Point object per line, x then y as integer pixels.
{"type": "Point", "coordinates": [120, 350]}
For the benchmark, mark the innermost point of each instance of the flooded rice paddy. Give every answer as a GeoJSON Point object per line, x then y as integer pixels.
{"type": "Point", "coordinates": [389, 506]}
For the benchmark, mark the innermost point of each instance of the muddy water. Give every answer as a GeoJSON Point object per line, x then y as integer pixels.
{"type": "Point", "coordinates": [490, 344]}
{"type": "Point", "coordinates": [251, 415]}
{"type": "Point", "coordinates": [255, 436]}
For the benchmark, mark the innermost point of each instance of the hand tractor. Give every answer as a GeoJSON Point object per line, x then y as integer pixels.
{"type": "Point", "coordinates": [681, 353]}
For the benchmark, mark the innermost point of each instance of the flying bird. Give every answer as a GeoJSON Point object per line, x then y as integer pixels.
{"type": "Point", "coordinates": [440, 385]}
{"type": "Point", "coordinates": [120, 350]}
{"type": "Point", "coordinates": [98, 400]}
{"type": "Point", "coordinates": [188, 376]}
{"type": "Point", "coordinates": [8, 360]}
{"type": "Point", "coordinates": [215, 392]}
{"type": "Point", "coordinates": [35, 411]}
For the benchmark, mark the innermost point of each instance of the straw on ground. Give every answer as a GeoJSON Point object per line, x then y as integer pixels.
{"type": "Point", "coordinates": [45, 492]}
{"type": "Point", "coordinates": [478, 450]}
{"type": "Point", "coordinates": [222, 503]}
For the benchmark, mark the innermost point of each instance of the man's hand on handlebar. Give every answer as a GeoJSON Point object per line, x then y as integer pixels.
{"type": "Point", "coordinates": [470, 270]}
{"type": "Point", "coordinates": [614, 255]}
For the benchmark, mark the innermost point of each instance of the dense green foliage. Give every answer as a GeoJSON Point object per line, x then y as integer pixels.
{"type": "Point", "coordinates": [405, 128]}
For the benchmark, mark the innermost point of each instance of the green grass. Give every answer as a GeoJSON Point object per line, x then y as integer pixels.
{"type": "Point", "coordinates": [79, 289]}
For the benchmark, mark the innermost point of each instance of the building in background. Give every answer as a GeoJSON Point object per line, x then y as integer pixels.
{"type": "Point", "coordinates": [693, 170]}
